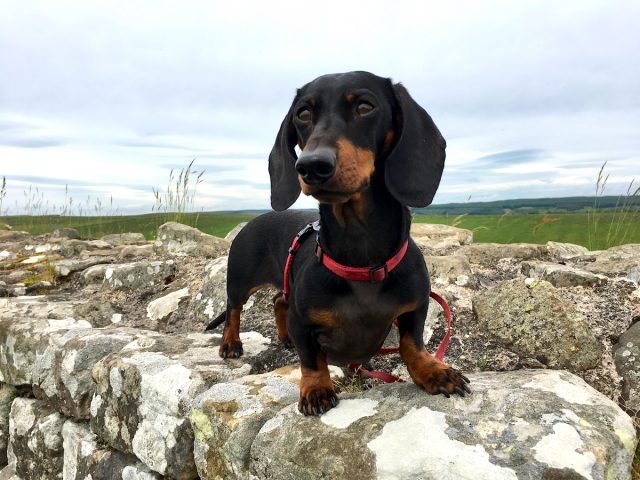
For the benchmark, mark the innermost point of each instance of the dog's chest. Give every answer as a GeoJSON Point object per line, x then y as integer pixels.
{"type": "Point", "coordinates": [359, 324]}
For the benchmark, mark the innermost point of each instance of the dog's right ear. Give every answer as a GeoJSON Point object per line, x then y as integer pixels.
{"type": "Point", "coordinates": [285, 188]}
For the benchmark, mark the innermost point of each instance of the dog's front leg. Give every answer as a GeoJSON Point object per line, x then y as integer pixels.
{"type": "Point", "coordinates": [427, 371]}
{"type": "Point", "coordinates": [317, 395]}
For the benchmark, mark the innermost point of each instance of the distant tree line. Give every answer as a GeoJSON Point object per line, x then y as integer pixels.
{"type": "Point", "coordinates": [525, 205]}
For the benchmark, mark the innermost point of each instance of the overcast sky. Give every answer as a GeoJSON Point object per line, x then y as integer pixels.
{"type": "Point", "coordinates": [107, 97]}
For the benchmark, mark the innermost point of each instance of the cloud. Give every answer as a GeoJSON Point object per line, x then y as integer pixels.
{"type": "Point", "coordinates": [511, 157]}
{"type": "Point", "coordinates": [31, 142]}
{"type": "Point", "coordinates": [520, 90]}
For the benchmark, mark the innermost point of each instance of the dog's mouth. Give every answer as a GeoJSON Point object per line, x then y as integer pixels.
{"type": "Point", "coordinates": [324, 195]}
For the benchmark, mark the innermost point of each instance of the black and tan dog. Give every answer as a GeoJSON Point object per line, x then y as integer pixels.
{"type": "Point", "coordinates": [368, 152]}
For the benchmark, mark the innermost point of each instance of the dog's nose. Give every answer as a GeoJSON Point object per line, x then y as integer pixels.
{"type": "Point", "coordinates": [316, 167]}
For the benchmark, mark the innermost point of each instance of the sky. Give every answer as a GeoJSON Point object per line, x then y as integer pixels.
{"type": "Point", "coordinates": [99, 101]}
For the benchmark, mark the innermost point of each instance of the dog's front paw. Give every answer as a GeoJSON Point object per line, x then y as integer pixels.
{"type": "Point", "coordinates": [438, 377]}
{"type": "Point", "coordinates": [231, 349]}
{"type": "Point", "coordinates": [317, 400]}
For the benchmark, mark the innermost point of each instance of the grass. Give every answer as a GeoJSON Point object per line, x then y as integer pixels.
{"type": "Point", "coordinates": [508, 228]}
{"type": "Point", "coordinates": [540, 228]}
{"type": "Point", "coordinates": [179, 196]}
{"type": "Point", "coordinates": [618, 226]}
{"type": "Point", "coordinates": [218, 224]}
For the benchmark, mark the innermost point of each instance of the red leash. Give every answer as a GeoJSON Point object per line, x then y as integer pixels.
{"type": "Point", "coordinates": [442, 347]}
{"type": "Point", "coordinates": [373, 274]}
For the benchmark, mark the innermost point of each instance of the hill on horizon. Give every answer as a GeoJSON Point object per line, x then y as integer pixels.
{"type": "Point", "coordinates": [518, 205]}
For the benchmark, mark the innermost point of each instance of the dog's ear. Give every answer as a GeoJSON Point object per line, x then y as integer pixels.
{"type": "Point", "coordinates": [285, 188]}
{"type": "Point", "coordinates": [414, 166]}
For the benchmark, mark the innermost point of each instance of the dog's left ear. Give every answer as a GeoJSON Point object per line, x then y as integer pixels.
{"type": "Point", "coordinates": [414, 167]}
{"type": "Point", "coordinates": [285, 188]}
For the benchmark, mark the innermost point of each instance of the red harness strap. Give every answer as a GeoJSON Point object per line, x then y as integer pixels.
{"type": "Point", "coordinates": [295, 246]}
{"type": "Point", "coordinates": [362, 274]}
{"type": "Point", "coordinates": [371, 274]}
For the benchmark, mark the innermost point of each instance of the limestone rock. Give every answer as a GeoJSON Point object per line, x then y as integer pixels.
{"type": "Point", "coordinates": [42, 307]}
{"type": "Point", "coordinates": [62, 374]}
{"type": "Point", "coordinates": [130, 276]}
{"type": "Point", "coordinates": [65, 232]}
{"type": "Point", "coordinates": [211, 301]}
{"type": "Point", "coordinates": [621, 261]}
{"type": "Point", "coordinates": [9, 473]}
{"type": "Point", "coordinates": [627, 359]}
{"type": "Point", "coordinates": [564, 251]}
{"type": "Point", "coordinates": [448, 268]}
{"type": "Point", "coordinates": [181, 239]}
{"type": "Point", "coordinates": [561, 275]}
{"type": "Point", "coordinates": [35, 431]}
{"type": "Point", "coordinates": [227, 417]}
{"type": "Point", "coordinates": [124, 239]}
{"type": "Point", "coordinates": [229, 237]}
{"type": "Point", "coordinates": [74, 247]}
{"type": "Point", "coordinates": [436, 239]}
{"type": "Point", "coordinates": [160, 308]}
{"type": "Point", "coordinates": [24, 340]}
{"type": "Point", "coordinates": [7, 236]}
{"type": "Point", "coordinates": [437, 231]}
{"type": "Point", "coordinates": [537, 322]}
{"type": "Point", "coordinates": [144, 394]}
{"type": "Point", "coordinates": [136, 251]}
{"type": "Point", "coordinates": [64, 268]}
{"type": "Point", "coordinates": [98, 313]}
{"type": "Point", "coordinates": [86, 459]}
{"type": "Point", "coordinates": [530, 425]}
{"type": "Point", "coordinates": [7, 394]}
{"type": "Point", "coordinates": [488, 254]}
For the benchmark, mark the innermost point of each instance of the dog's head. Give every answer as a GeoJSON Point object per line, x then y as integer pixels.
{"type": "Point", "coordinates": [347, 126]}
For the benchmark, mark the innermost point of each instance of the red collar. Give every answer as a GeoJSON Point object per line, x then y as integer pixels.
{"type": "Point", "coordinates": [362, 274]}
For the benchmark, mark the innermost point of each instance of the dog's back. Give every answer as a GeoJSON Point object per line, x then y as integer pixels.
{"type": "Point", "coordinates": [259, 252]}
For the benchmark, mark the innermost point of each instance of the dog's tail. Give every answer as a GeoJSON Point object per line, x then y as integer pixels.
{"type": "Point", "coordinates": [216, 321]}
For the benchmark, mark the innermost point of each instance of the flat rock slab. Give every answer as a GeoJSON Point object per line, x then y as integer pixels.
{"type": "Point", "coordinates": [144, 395]}
{"type": "Point", "coordinates": [227, 417]}
{"type": "Point", "coordinates": [35, 447]}
{"type": "Point", "coordinates": [85, 458]}
{"type": "Point", "coordinates": [436, 232]}
{"type": "Point", "coordinates": [488, 254]}
{"type": "Point", "coordinates": [179, 239]}
{"type": "Point", "coordinates": [535, 321]}
{"type": "Point", "coordinates": [124, 239]}
{"type": "Point", "coordinates": [562, 275]}
{"type": "Point", "coordinates": [64, 268]}
{"type": "Point", "coordinates": [621, 261]}
{"type": "Point", "coordinates": [565, 251]}
{"type": "Point", "coordinates": [530, 425]}
{"type": "Point", "coordinates": [131, 276]}
{"type": "Point", "coordinates": [44, 307]}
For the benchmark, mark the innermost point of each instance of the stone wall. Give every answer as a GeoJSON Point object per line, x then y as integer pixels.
{"type": "Point", "coordinates": [105, 373]}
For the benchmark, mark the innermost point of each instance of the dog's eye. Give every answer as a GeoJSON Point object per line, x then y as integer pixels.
{"type": "Point", "coordinates": [364, 108]}
{"type": "Point", "coordinates": [304, 115]}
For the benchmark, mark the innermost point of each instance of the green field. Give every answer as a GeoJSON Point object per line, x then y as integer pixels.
{"type": "Point", "coordinates": [598, 234]}
{"type": "Point", "coordinates": [507, 228]}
